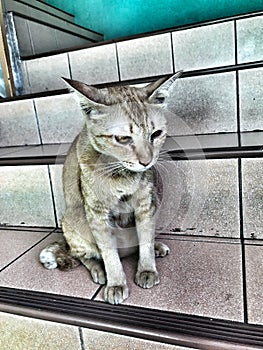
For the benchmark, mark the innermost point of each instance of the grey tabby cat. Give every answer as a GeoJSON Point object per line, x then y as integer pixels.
{"type": "Point", "coordinates": [108, 185]}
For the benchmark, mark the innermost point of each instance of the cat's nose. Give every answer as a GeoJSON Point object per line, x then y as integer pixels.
{"type": "Point", "coordinates": [145, 162]}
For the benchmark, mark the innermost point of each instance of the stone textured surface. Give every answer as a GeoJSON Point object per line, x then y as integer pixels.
{"type": "Point", "coordinates": [145, 57]}
{"type": "Point", "coordinates": [23, 333]}
{"type": "Point", "coordinates": [44, 74]}
{"type": "Point", "coordinates": [14, 243]}
{"type": "Point", "coordinates": [198, 278]}
{"type": "Point", "coordinates": [204, 47]}
{"type": "Point", "coordinates": [251, 99]}
{"type": "Point", "coordinates": [18, 124]}
{"type": "Point", "coordinates": [95, 65]}
{"type": "Point", "coordinates": [254, 274]}
{"type": "Point", "coordinates": [205, 104]}
{"type": "Point", "coordinates": [250, 39]}
{"type": "Point", "coordinates": [252, 197]}
{"type": "Point", "coordinates": [60, 118]}
{"type": "Point", "coordinates": [25, 196]}
{"type": "Point", "coordinates": [28, 273]}
{"type": "Point", "coordinates": [97, 340]}
{"type": "Point", "coordinates": [200, 197]}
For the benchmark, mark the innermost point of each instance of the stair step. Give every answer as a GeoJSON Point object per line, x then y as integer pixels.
{"type": "Point", "coordinates": [32, 8]}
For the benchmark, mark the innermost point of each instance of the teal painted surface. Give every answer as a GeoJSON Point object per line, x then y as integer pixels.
{"type": "Point", "coordinates": [117, 18]}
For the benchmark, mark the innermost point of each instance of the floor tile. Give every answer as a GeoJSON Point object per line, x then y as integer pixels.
{"type": "Point", "coordinates": [24, 333]}
{"type": "Point", "coordinates": [252, 197]}
{"type": "Point", "coordinates": [254, 274]}
{"type": "Point", "coordinates": [28, 273]}
{"type": "Point", "coordinates": [56, 178]}
{"type": "Point", "coordinates": [25, 196]}
{"type": "Point", "coordinates": [13, 243]}
{"type": "Point", "coordinates": [250, 39]}
{"type": "Point", "coordinates": [204, 47]}
{"type": "Point", "coordinates": [199, 197]}
{"type": "Point", "coordinates": [97, 340]}
{"type": "Point", "coordinates": [198, 278]}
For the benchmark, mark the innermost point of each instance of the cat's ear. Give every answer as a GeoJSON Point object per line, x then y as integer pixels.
{"type": "Point", "coordinates": [92, 100]}
{"type": "Point", "coordinates": [159, 90]}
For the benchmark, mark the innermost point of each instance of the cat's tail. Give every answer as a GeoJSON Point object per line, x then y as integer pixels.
{"type": "Point", "coordinates": [57, 254]}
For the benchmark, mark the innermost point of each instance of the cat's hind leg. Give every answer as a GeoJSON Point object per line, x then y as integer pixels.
{"type": "Point", "coordinates": [96, 269]}
{"type": "Point", "coordinates": [161, 249]}
{"type": "Point", "coordinates": [57, 255]}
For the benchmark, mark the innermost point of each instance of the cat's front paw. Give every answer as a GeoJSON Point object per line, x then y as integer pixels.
{"type": "Point", "coordinates": [48, 259]}
{"type": "Point", "coordinates": [147, 279]}
{"type": "Point", "coordinates": [116, 294]}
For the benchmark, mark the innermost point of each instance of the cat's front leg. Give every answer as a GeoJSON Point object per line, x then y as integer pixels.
{"type": "Point", "coordinates": [116, 290]}
{"type": "Point", "coordinates": [147, 275]}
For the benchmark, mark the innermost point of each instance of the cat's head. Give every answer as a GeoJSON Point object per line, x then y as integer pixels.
{"type": "Point", "coordinates": [127, 123]}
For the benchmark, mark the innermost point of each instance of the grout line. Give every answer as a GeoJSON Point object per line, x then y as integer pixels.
{"type": "Point", "coordinates": [82, 344]}
{"type": "Point", "coordinates": [37, 121]}
{"type": "Point", "coordinates": [26, 251]}
{"type": "Point", "coordinates": [172, 52]}
{"type": "Point", "coordinates": [97, 292]}
{"type": "Point", "coordinates": [69, 66]}
{"type": "Point", "coordinates": [237, 86]}
{"type": "Point", "coordinates": [52, 196]}
{"type": "Point", "coordinates": [243, 253]}
{"type": "Point", "coordinates": [118, 62]}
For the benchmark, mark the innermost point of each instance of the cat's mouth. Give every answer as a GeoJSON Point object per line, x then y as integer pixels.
{"type": "Point", "coordinates": [138, 167]}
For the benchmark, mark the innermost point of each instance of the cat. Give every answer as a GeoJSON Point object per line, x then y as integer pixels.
{"type": "Point", "coordinates": [108, 183]}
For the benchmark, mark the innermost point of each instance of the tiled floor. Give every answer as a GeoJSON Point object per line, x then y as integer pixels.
{"type": "Point", "coordinates": [201, 276]}
{"type": "Point", "coordinates": [22, 333]}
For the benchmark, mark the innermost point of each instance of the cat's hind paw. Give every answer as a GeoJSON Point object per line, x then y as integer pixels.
{"type": "Point", "coordinates": [48, 259]}
{"type": "Point", "coordinates": [161, 249]}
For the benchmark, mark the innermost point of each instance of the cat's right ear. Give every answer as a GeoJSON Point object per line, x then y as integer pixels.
{"type": "Point", "coordinates": [92, 100]}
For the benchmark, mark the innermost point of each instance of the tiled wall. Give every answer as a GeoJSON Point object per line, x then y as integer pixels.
{"type": "Point", "coordinates": [207, 105]}
{"type": "Point", "coordinates": [200, 197]}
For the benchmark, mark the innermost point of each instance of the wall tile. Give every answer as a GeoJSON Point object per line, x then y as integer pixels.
{"type": "Point", "coordinates": [66, 40]}
{"type": "Point", "coordinates": [95, 65]}
{"type": "Point", "coordinates": [18, 332]}
{"type": "Point", "coordinates": [60, 118]}
{"type": "Point", "coordinates": [22, 32]}
{"type": "Point", "coordinates": [250, 39]}
{"type": "Point", "coordinates": [204, 47]}
{"type": "Point", "coordinates": [200, 197]}
{"type": "Point", "coordinates": [145, 57]}
{"type": "Point", "coordinates": [252, 197]}
{"type": "Point", "coordinates": [251, 99]}
{"type": "Point", "coordinates": [25, 196]}
{"type": "Point", "coordinates": [56, 178]}
{"type": "Point", "coordinates": [18, 124]}
{"type": "Point", "coordinates": [45, 73]}
{"type": "Point", "coordinates": [204, 104]}
{"type": "Point", "coordinates": [43, 37]}
{"type": "Point", "coordinates": [254, 275]}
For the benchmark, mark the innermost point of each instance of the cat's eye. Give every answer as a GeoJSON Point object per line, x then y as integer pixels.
{"type": "Point", "coordinates": [123, 140]}
{"type": "Point", "coordinates": [156, 134]}
{"type": "Point", "coordinates": [160, 99]}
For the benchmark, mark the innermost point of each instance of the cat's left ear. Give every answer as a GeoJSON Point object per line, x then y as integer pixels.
{"type": "Point", "coordinates": [159, 90]}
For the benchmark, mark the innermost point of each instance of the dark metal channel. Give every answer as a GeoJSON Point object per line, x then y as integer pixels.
{"type": "Point", "coordinates": [128, 316]}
